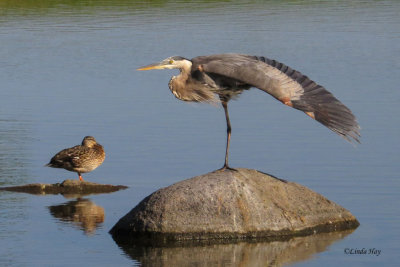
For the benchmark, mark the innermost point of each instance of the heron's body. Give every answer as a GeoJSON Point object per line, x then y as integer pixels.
{"type": "Point", "coordinates": [81, 159]}
{"type": "Point", "coordinates": [219, 78]}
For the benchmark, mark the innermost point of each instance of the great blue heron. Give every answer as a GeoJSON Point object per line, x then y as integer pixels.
{"type": "Point", "coordinates": [82, 158]}
{"type": "Point", "coordinates": [203, 78]}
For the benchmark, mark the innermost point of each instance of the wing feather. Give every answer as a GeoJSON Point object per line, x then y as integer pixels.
{"type": "Point", "coordinates": [285, 84]}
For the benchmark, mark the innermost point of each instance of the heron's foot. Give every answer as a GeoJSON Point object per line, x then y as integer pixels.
{"type": "Point", "coordinates": [227, 168]}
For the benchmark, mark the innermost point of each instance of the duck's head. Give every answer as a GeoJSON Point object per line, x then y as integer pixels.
{"type": "Point", "coordinates": [89, 141]}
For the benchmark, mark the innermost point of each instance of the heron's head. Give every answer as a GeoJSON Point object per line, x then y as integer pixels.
{"type": "Point", "coordinates": [175, 62]}
{"type": "Point", "coordinates": [89, 141]}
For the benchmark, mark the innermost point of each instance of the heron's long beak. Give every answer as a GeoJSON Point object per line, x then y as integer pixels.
{"type": "Point", "coordinates": [155, 66]}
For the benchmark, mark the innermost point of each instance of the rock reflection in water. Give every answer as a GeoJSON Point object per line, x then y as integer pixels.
{"type": "Point", "coordinates": [222, 253]}
{"type": "Point", "coordinates": [82, 213]}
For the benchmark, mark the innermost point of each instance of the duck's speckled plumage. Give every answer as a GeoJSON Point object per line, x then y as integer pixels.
{"type": "Point", "coordinates": [82, 158]}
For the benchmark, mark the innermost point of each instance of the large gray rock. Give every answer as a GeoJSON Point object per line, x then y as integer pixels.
{"type": "Point", "coordinates": [233, 204]}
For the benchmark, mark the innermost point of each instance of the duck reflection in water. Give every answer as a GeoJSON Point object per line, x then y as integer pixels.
{"type": "Point", "coordinates": [82, 213]}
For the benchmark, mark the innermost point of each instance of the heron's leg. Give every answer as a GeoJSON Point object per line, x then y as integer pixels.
{"type": "Point", "coordinates": [228, 136]}
{"type": "Point", "coordinates": [80, 177]}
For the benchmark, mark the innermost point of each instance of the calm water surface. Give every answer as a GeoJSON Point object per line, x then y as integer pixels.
{"type": "Point", "coordinates": [67, 69]}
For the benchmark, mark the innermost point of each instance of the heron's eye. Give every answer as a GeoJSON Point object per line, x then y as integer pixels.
{"type": "Point", "coordinates": [171, 61]}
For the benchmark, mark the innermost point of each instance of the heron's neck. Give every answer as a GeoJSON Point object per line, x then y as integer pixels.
{"type": "Point", "coordinates": [178, 84]}
{"type": "Point", "coordinates": [185, 68]}
{"type": "Point", "coordinates": [179, 81]}
{"type": "Point", "coordinates": [187, 88]}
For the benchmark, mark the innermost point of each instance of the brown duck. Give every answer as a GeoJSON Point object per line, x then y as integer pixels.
{"type": "Point", "coordinates": [82, 158]}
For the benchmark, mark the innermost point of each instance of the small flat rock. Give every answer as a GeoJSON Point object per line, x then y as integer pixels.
{"type": "Point", "coordinates": [232, 205]}
{"type": "Point", "coordinates": [66, 187]}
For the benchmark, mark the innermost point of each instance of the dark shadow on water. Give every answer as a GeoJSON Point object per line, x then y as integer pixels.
{"type": "Point", "coordinates": [228, 253]}
{"type": "Point", "coordinates": [82, 213]}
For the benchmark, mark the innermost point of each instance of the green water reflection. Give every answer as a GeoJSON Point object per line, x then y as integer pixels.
{"type": "Point", "coordinates": [26, 7]}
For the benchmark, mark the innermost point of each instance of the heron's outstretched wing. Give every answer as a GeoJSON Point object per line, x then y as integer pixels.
{"type": "Point", "coordinates": [285, 84]}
